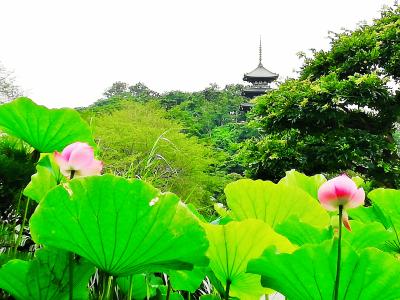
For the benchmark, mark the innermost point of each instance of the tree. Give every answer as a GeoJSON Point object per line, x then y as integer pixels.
{"type": "Point", "coordinates": [8, 88]}
{"type": "Point", "coordinates": [138, 140]}
{"type": "Point", "coordinates": [203, 111]}
{"type": "Point", "coordinates": [142, 92]}
{"type": "Point", "coordinates": [118, 88]}
{"type": "Point", "coordinates": [139, 91]}
{"type": "Point", "coordinates": [340, 114]}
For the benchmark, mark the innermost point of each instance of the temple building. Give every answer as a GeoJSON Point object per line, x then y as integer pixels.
{"type": "Point", "coordinates": [260, 79]}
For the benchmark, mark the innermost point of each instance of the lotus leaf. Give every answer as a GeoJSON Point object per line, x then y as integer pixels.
{"type": "Point", "coordinates": [123, 227]}
{"type": "Point", "coordinates": [44, 129]}
{"type": "Point", "coordinates": [273, 203]}
{"type": "Point", "coordinates": [233, 245]}
{"type": "Point", "coordinates": [45, 277]}
{"type": "Point", "coordinates": [309, 184]}
{"type": "Point", "coordinates": [309, 273]}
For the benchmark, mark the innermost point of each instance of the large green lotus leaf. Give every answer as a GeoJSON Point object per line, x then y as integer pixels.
{"type": "Point", "coordinates": [300, 233]}
{"type": "Point", "coordinates": [209, 297]}
{"type": "Point", "coordinates": [386, 209]}
{"type": "Point", "coordinates": [123, 227]}
{"type": "Point", "coordinates": [388, 201]}
{"type": "Point", "coordinates": [45, 277]}
{"type": "Point", "coordinates": [309, 273]}
{"type": "Point", "coordinates": [367, 235]}
{"type": "Point", "coordinates": [44, 129]}
{"type": "Point", "coordinates": [163, 290]}
{"type": "Point", "coordinates": [13, 277]}
{"type": "Point", "coordinates": [273, 203]}
{"type": "Point", "coordinates": [362, 235]}
{"type": "Point", "coordinates": [309, 184]}
{"type": "Point", "coordinates": [233, 245]}
{"type": "Point", "coordinates": [43, 180]}
{"type": "Point", "coordinates": [369, 214]}
{"type": "Point", "coordinates": [139, 285]}
{"type": "Point", "coordinates": [194, 210]}
{"type": "Point", "coordinates": [187, 280]}
{"type": "Point", "coordinates": [215, 283]}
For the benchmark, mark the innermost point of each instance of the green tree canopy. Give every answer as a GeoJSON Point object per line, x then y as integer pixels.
{"type": "Point", "coordinates": [340, 113]}
{"type": "Point", "coordinates": [122, 89]}
{"type": "Point", "coordinates": [138, 140]}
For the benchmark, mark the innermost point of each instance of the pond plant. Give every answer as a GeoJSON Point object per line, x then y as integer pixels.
{"type": "Point", "coordinates": [101, 236]}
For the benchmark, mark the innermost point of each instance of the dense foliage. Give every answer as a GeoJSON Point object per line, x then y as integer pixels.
{"type": "Point", "coordinates": [340, 114]}
{"type": "Point", "coordinates": [138, 140]}
{"type": "Point", "coordinates": [16, 168]}
{"type": "Point", "coordinates": [110, 237]}
{"type": "Point", "coordinates": [212, 115]}
{"type": "Point", "coordinates": [199, 112]}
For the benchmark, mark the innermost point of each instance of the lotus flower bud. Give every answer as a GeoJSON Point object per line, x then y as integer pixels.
{"type": "Point", "coordinates": [78, 159]}
{"type": "Point", "coordinates": [341, 191]}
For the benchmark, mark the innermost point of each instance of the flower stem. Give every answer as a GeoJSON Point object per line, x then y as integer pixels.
{"type": "Point", "coordinates": [228, 286]}
{"type": "Point", "coordinates": [339, 256]}
{"type": "Point", "coordinates": [71, 263]}
{"type": "Point", "coordinates": [71, 275]}
{"type": "Point", "coordinates": [109, 284]}
{"type": "Point", "coordinates": [130, 287]}
{"type": "Point", "coordinates": [147, 287]}
{"type": "Point", "coordinates": [21, 230]}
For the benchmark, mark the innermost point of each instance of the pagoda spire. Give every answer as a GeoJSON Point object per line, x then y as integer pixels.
{"type": "Point", "coordinates": [260, 78]}
{"type": "Point", "coordinates": [260, 54]}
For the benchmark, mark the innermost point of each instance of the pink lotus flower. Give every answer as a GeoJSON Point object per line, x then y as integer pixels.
{"type": "Point", "coordinates": [78, 159]}
{"type": "Point", "coordinates": [341, 191]}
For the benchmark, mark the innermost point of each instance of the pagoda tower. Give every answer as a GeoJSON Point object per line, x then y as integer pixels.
{"type": "Point", "coordinates": [260, 78]}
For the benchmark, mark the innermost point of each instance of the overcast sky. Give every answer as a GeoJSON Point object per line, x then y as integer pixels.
{"type": "Point", "coordinates": [66, 53]}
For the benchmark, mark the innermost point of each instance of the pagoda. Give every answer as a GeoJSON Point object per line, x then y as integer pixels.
{"type": "Point", "coordinates": [260, 78]}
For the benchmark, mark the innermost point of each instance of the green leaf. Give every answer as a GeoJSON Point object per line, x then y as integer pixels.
{"type": "Point", "coordinates": [309, 184]}
{"type": "Point", "coordinates": [187, 280]}
{"type": "Point", "coordinates": [358, 181]}
{"type": "Point", "coordinates": [193, 209]}
{"type": "Point", "coordinates": [44, 129]}
{"type": "Point", "coordinates": [309, 273]}
{"type": "Point", "coordinates": [221, 210]}
{"type": "Point", "coordinates": [162, 293]}
{"type": "Point", "coordinates": [123, 227]}
{"type": "Point", "coordinates": [273, 203]}
{"type": "Point", "coordinates": [366, 235]}
{"type": "Point", "coordinates": [45, 277]}
{"type": "Point", "coordinates": [369, 214]}
{"type": "Point", "coordinates": [209, 297]}
{"type": "Point", "coordinates": [301, 233]}
{"type": "Point", "coordinates": [362, 235]}
{"type": "Point", "coordinates": [388, 202]}
{"type": "Point", "coordinates": [139, 285]}
{"type": "Point", "coordinates": [43, 180]}
{"type": "Point", "coordinates": [13, 277]}
{"type": "Point", "coordinates": [233, 245]}
{"type": "Point", "coordinates": [172, 296]}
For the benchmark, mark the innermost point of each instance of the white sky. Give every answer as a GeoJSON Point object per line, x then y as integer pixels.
{"type": "Point", "coordinates": [66, 53]}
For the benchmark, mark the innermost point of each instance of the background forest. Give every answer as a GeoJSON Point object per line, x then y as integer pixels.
{"type": "Point", "coordinates": [339, 116]}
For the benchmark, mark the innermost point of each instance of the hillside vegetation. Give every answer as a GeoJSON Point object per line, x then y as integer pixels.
{"type": "Point", "coordinates": [138, 140]}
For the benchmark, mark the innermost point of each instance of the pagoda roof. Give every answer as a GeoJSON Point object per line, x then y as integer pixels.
{"type": "Point", "coordinates": [261, 72]}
